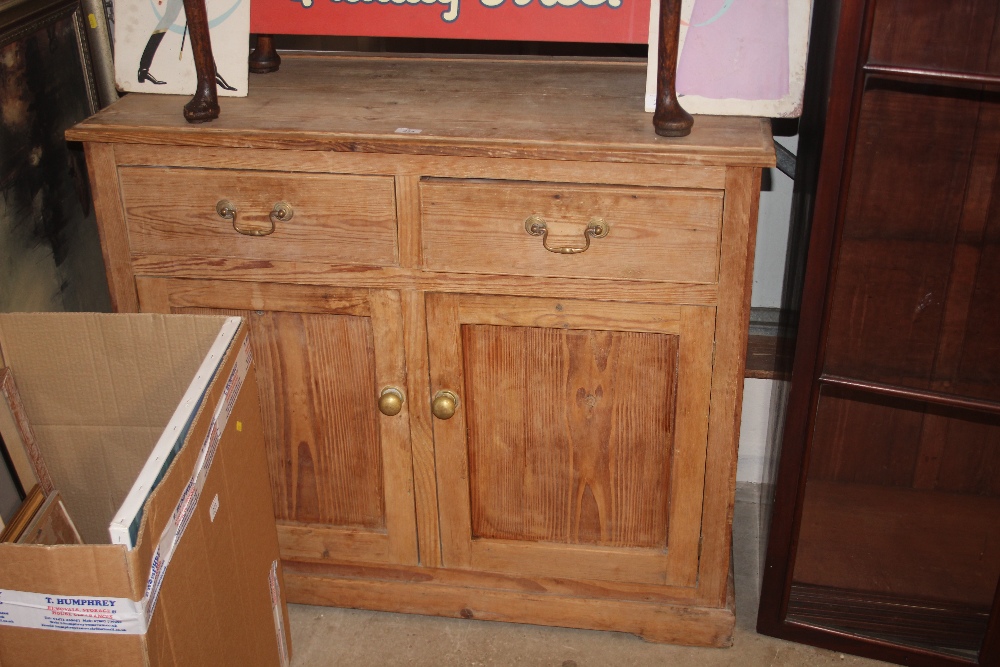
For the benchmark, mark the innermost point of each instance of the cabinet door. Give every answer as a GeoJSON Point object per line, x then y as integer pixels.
{"type": "Point", "coordinates": [577, 449]}
{"type": "Point", "coordinates": [341, 475]}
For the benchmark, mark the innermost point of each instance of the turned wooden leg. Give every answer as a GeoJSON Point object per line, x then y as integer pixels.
{"type": "Point", "coordinates": [204, 106]}
{"type": "Point", "coordinates": [669, 119]}
{"type": "Point", "coordinates": [264, 58]}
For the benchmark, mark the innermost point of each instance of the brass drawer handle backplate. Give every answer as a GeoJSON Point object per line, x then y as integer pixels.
{"type": "Point", "coordinates": [596, 229]}
{"type": "Point", "coordinates": [281, 212]}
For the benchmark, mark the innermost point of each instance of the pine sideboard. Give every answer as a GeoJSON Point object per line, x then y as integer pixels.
{"type": "Point", "coordinates": [499, 325]}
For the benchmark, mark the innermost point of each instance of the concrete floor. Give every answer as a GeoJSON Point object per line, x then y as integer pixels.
{"type": "Point", "coordinates": [323, 636]}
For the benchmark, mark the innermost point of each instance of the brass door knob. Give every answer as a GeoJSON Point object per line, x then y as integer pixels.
{"type": "Point", "coordinates": [444, 404]}
{"type": "Point", "coordinates": [390, 401]}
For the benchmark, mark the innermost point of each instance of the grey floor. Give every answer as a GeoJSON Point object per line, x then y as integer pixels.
{"type": "Point", "coordinates": [324, 636]}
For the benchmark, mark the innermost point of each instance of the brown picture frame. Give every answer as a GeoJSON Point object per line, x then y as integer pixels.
{"type": "Point", "coordinates": [19, 439]}
{"type": "Point", "coordinates": [22, 19]}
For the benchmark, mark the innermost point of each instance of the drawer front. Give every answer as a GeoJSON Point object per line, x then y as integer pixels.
{"type": "Point", "coordinates": [652, 233]}
{"type": "Point", "coordinates": [334, 218]}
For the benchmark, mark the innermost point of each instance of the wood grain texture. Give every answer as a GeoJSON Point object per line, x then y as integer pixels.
{"type": "Point", "coordinates": [421, 435]}
{"type": "Point", "coordinates": [553, 171]}
{"type": "Point", "coordinates": [571, 415]}
{"type": "Point", "coordinates": [546, 559]}
{"type": "Point", "coordinates": [156, 292]}
{"type": "Point", "coordinates": [409, 222]}
{"type": "Point", "coordinates": [334, 276]}
{"type": "Point", "coordinates": [350, 219]}
{"type": "Point", "coordinates": [569, 434]}
{"type": "Point", "coordinates": [599, 103]}
{"type": "Point", "coordinates": [586, 476]}
{"type": "Point", "coordinates": [322, 543]}
{"type": "Point", "coordinates": [569, 314]}
{"type": "Point", "coordinates": [318, 372]}
{"type": "Point", "coordinates": [322, 357]}
{"type": "Point", "coordinates": [694, 405]}
{"type": "Point", "coordinates": [394, 430]}
{"type": "Point", "coordinates": [676, 624]}
{"type": "Point", "coordinates": [476, 226]}
{"type": "Point", "coordinates": [444, 352]}
{"type": "Point", "coordinates": [733, 318]}
{"type": "Point", "coordinates": [519, 581]}
{"type": "Point", "coordinates": [111, 226]}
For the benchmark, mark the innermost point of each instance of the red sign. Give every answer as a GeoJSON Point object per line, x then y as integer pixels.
{"type": "Point", "coordinates": [603, 21]}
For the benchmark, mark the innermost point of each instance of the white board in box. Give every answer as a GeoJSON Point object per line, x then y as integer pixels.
{"type": "Point", "coordinates": [124, 528]}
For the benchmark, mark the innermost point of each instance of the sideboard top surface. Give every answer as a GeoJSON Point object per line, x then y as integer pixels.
{"type": "Point", "coordinates": [539, 108]}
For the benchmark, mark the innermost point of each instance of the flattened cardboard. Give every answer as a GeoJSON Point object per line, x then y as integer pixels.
{"type": "Point", "coordinates": [215, 605]}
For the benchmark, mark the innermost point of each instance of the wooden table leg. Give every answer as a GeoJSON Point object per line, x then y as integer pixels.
{"type": "Point", "coordinates": [204, 106]}
{"type": "Point", "coordinates": [264, 58]}
{"type": "Point", "coordinates": [669, 119]}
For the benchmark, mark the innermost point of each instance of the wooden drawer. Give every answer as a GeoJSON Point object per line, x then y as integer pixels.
{"type": "Point", "coordinates": [652, 233]}
{"type": "Point", "coordinates": [335, 218]}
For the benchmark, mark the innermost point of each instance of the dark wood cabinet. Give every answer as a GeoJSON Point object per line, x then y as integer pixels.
{"type": "Point", "coordinates": [885, 538]}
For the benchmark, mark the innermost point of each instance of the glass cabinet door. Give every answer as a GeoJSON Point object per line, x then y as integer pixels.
{"type": "Point", "coordinates": [896, 541]}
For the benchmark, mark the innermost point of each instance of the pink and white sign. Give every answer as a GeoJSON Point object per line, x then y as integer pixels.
{"type": "Point", "coordinates": [738, 57]}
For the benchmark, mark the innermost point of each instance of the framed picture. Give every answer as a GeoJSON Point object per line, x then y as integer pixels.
{"type": "Point", "coordinates": [55, 25]}
{"type": "Point", "coordinates": [50, 254]}
{"type": "Point", "coordinates": [20, 446]}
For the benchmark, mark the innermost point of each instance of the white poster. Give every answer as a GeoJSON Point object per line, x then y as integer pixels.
{"type": "Point", "coordinates": [737, 57]}
{"type": "Point", "coordinates": [153, 46]}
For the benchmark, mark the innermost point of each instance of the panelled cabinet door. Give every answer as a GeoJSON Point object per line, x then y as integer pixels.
{"type": "Point", "coordinates": [579, 434]}
{"type": "Point", "coordinates": [341, 475]}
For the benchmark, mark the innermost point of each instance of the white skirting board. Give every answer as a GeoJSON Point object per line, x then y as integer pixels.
{"type": "Point", "coordinates": [756, 429]}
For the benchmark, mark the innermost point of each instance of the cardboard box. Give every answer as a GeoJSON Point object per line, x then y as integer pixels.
{"type": "Point", "coordinates": [121, 404]}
